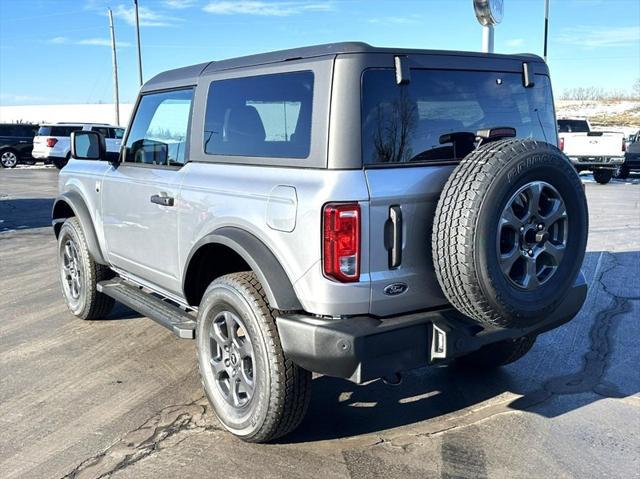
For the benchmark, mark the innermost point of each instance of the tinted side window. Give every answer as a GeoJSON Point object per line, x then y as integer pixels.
{"type": "Point", "coordinates": [44, 131]}
{"type": "Point", "coordinates": [106, 132]}
{"type": "Point", "coordinates": [261, 116]}
{"type": "Point", "coordinates": [63, 130]}
{"type": "Point", "coordinates": [27, 131]}
{"type": "Point", "coordinates": [5, 130]}
{"type": "Point", "coordinates": [117, 133]}
{"type": "Point", "coordinates": [159, 130]}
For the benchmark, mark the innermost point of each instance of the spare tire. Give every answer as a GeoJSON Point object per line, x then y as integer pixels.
{"type": "Point", "coordinates": [510, 232]}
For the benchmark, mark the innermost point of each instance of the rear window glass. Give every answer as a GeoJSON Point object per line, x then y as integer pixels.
{"type": "Point", "coordinates": [408, 123]}
{"type": "Point", "coordinates": [57, 130]}
{"type": "Point", "coordinates": [261, 116]}
{"type": "Point", "coordinates": [573, 126]}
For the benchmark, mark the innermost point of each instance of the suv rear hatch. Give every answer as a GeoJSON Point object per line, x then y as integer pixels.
{"type": "Point", "coordinates": [408, 157]}
{"type": "Point", "coordinates": [49, 136]}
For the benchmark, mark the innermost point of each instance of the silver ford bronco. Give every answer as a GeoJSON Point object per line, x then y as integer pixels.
{"type": "Point", "coordinates": [341, 209]}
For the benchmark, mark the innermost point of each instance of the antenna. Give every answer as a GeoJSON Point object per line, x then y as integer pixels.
{"type": "Point", "coordinates": [115, 67]}
{"type": "Point", "coordinates": [135, 3]}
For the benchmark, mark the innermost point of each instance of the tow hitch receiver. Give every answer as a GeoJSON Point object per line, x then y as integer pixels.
{"type": "Point", "coordinates": [439, 341]}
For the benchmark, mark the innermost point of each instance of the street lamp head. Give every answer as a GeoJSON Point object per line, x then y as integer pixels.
{"type": "Point", "coordinates": [489, 12]}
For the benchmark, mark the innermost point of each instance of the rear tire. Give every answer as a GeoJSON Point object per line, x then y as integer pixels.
{"type": "Point", "coordinates": [602, 176]}
{"type": "Point", "coordinates": [8, 158]}
{"type": "Point", "coordinates": [79, 274]}
{"type": "Point", "coordinates": [497, 354]}
{"type": "Point", "coordinates": [256, 392]}
{"type": "Point", "coordinates": [61, 162]}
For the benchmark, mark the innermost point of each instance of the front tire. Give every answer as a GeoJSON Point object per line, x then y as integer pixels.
{"type": "Point", "coordinates": [256, 392]}
{"type": "Point", "coordinates": [8, 159]}
{"type": "Point", "coordinates": [80, 274]}
{"type": "Point", "coordinates": [602, 176]}
{"type": "Point", "coordinates": [497, 354]}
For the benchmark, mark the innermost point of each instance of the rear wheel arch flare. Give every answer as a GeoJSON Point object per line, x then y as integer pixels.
{"type": "Point", "coordinates": [240, 251]}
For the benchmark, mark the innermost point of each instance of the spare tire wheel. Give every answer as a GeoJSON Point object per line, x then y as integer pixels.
{"type": "Point", "coordinates": [510, 232]}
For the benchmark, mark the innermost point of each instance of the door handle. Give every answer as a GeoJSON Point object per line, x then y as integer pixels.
{"type": "Point", "coordinates": [393, 236]}
{"type": "Point", "coordinates": [162, 200]}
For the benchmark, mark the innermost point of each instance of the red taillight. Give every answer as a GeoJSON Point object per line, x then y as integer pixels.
{"type": "Point", "coordinates": [341, 241]}
{"type": "Point", "coordinates": [51, 142]}
{"type": "Point", "coordinates": [561, 144]}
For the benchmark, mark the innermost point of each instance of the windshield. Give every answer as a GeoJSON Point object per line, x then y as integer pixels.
{"type": "Point", "coordinates": [410, 123]}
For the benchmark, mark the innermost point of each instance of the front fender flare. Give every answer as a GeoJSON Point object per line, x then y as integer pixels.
{"type": "Point", "coordinates": [258, 256]}
{"type": "Point", "coordinates": [77, 204]}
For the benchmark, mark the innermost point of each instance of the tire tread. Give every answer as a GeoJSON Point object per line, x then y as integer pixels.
{"type": "Point", "coordinates": [291, 389]}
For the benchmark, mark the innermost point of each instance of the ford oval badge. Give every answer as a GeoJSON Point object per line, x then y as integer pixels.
{"type": "Point", "coordinates": [395, 289]}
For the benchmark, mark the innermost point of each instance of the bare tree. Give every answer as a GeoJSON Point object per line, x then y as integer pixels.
{"type": "Point", "coordinates": [395, 125]}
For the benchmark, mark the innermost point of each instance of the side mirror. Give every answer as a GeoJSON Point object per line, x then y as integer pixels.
{"type": "Point", "coordinates": [88, 145]}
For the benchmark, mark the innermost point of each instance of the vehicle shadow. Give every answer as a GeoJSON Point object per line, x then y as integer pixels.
{"type": "Point", "coordinates": [588, 359]}
{"type": "Point", "coordinates": [25, 213]}
{"type": "Point", "coordinates": [121, 312]}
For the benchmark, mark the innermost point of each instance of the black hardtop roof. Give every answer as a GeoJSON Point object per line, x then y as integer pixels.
{"type": "Point", "coordinates": [189, 75]}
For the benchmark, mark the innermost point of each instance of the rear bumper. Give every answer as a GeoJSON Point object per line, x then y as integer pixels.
{"type": "Point", "coordinates": [364, 348]}
{"type": "Point", "coordinates": [597, 161]}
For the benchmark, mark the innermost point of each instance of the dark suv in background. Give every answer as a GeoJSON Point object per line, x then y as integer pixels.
{"type": "Point", "coordinates": [16, 143]}
{"type": "Point", "coordinates": [631, 157]}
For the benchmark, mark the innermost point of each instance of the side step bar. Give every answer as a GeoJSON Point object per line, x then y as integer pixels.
{"type": "Point", "coordinates": [171, 317]}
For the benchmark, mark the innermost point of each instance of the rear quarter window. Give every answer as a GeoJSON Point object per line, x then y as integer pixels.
{"type": "Point", "coordinates": [260, 116]}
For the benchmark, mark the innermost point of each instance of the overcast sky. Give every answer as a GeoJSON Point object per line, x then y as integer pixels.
{"type": "Point", "coordinates": [57, 51]}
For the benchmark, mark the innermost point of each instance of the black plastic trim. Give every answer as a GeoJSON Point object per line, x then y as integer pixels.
{"type": "Point", "coordinates": [272, 276]}
{"type": "Point", "coordinates": [80, 210]}
{"type": "Point", "coordinates": [364, 348]}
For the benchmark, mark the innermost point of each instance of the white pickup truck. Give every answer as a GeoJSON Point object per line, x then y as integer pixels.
{"type": "Point", "coordinates": [601, 152]}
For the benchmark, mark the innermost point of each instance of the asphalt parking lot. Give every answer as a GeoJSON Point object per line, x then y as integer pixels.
{"type": "Point", "coordinates": [121, 397]}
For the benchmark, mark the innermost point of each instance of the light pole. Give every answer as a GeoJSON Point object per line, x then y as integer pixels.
{"type": "Point", "coordinates": [546, 27]}
{"type": "Point", "coordinates": [135, 3]}
{"type": "Point", "coordinates": [115, 67]}
{"type": "Point", "coordinates": [488, 13]}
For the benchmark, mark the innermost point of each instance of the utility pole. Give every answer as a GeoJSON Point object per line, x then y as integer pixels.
{"type": "Point", "coordinates": [135, 3]}
{"type": "Point", "coordinates": [546, 27]}
{"type": "Point", "coordinates": [115, 67]}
